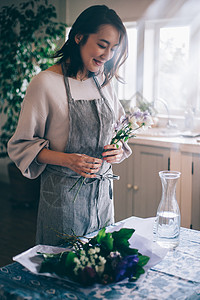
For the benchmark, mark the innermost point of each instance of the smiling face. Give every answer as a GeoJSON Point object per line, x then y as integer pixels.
{"type": "Point", "coordinates": [99, 48]}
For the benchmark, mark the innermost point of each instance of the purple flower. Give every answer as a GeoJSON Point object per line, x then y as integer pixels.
{"type": "Point", "coordinates": [145, 115]}
{"type": "Point", "coordinates": [121, 123]}
{"type": "Point", "coordinates": [126, 267]}
{"type": "Point", "coordinates": [137, 114]}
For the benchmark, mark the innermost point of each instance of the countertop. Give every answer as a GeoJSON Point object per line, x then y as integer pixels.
{"type": "Point", "coordinates": [177, 142]}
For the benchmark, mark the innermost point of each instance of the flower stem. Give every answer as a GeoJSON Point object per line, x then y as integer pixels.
{"type": "Point", "coordinates": [82, 182]}
{"type": "Point", "coordinates": [75, 183]}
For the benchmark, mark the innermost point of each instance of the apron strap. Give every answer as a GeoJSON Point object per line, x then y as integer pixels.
{"type": "Point", "coordinates": [98, 86]}
{"type": "Point", "coordinates": [102, 96]}
{"type": "Point", "coordinates": [67, 87]}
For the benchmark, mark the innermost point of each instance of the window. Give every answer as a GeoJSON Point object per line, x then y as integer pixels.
{"type": "Point", "coordinates": [173, 62]}
{"type": "Point", "coordinates": [167, 66]}
{"type": "Point", "coordinates": [128, 69]}
{"type": "Point", "coordinates": [163, 65]}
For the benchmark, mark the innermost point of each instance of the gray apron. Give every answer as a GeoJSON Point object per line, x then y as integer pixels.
{"type": "Point", "coordinates": [90, 129]}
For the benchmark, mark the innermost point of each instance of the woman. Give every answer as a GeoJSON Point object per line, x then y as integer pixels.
{"type": "Point", "coordinates": [66, 125]}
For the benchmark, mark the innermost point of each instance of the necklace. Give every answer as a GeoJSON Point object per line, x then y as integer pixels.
{"type": "Point", "coordinates": [78, 77]}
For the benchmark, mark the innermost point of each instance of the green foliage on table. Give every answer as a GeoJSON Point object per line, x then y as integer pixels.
{"type": "Point", "coordinates": [29, 36]}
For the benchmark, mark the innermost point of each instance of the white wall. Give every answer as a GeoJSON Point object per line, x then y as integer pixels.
{"type": "Point", "coordinates": [128, 10]}
{"type": "Point", "coordinates": [132, 10]}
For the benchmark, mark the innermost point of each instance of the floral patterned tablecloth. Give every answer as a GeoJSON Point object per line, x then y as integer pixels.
{"type": "Point", "coordinates": [177, 276]}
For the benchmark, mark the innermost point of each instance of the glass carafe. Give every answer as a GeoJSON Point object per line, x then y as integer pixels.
{"type": "Point", "coordinates": [167, 224]}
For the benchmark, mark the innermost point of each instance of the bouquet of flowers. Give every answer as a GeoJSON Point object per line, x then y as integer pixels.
{"type": "Point", "coordinates": [124, 129]}
{"type": "Point", "coordinates": [105, 258]}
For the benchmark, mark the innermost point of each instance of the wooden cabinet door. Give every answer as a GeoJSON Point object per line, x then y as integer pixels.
{"type": "Point", "coordinates": [195, 224]}
{"type": "Point", "coordinates": [138, 192]}
{"type": "Point", "coordinates": [123, 192]}
{"type": "Point", "coordinates": [146, 163]}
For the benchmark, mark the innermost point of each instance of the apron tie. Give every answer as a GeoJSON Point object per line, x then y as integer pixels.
{"type": "Point", "coordinates": [100, 178]}
{"type": "Point", "coordinates": [107, 176]}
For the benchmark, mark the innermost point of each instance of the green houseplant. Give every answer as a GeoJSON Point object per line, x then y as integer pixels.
{"type": "Point", "coordinates": [29, 36]}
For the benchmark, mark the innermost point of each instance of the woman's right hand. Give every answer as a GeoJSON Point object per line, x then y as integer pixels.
{"type": "Point", "coordinates": [82, 164]}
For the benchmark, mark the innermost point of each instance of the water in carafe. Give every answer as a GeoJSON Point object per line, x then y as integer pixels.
{"type": "Point", "coordinates": [167, 224]}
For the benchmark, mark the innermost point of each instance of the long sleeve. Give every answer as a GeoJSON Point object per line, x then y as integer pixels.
{"type": "Point", "coordinates": [29, 139]}
{"type": "Point", "coordinates": [43, 122]}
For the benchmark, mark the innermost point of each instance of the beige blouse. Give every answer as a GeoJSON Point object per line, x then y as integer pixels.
{"type": "Point", "coordinates": [44, 120]}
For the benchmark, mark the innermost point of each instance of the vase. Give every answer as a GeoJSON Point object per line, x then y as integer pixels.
{"type": "Point", "coordinates": [167, 224]}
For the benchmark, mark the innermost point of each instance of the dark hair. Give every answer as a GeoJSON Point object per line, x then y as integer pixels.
{"type": "Point", "coordinates": [88, 22]}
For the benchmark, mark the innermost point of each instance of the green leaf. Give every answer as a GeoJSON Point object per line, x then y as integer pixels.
{"type": "Point", "coordinates": [126, 139]}
{"type": "Point", "coordinates": [138, 271]}
{"type": "Point", "coordinates": [129, 251]}
{"type": "Point", "coordinates": [121, 238]}
{"type": "Point", "coordinates": [101, 234]}
{"type": "Point", "coordinates": [123, 235]}
{"type": "Point", "coordinates": [107, 242]}
{"type": "Point", "coordinates": [103, 238]}
{"type": "Point", "coordinates": [50, 262]}
{"type": "Point", "coordinates": [70, 259]}
{"type": "Point", "coordinates": [143, 260]}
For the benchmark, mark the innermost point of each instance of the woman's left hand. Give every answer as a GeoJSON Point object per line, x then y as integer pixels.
{"type": "Point", "coordinates": [113, 154]}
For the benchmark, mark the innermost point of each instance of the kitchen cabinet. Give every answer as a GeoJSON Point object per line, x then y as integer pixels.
{"type": "Point", "coordinates": [146, 163]}
{"type": "Point", "coordinates": [123, 190]}
{"type": "Point", "coordinates": [188, 187]}
{"type": "Point", "coordinates": [138, 192]}
{"type": "Point", "coordinates": [195, 210]}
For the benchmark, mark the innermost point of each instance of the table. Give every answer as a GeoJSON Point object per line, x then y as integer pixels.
{"type": "Point", "coordinates": [177, 276]}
